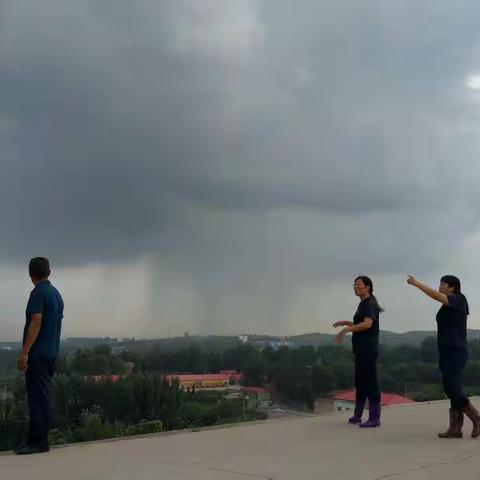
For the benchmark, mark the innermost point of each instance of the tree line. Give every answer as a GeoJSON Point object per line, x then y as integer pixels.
{"type": "Point", "coordinates": [145, 401]}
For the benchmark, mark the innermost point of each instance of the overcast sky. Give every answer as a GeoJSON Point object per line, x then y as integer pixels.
{"type": "Point", "coordinates": [230, 167]}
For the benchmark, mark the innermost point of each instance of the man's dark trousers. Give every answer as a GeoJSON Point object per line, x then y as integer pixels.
{"type": "Point", "coordinates": [38, 378]}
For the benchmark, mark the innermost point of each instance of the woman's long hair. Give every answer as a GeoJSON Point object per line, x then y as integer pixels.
{"type": "Point", "coordinates": [454, 282]}
{"type": "Point", "coordinates": [368, 282]}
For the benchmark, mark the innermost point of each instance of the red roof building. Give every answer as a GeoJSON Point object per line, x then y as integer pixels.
{"type": "Point", "coordinates": [257, 397]}
{"type": "Point", "coordinates": [208, 380]}
{"type": "Point", "coordinates": [234, 375]}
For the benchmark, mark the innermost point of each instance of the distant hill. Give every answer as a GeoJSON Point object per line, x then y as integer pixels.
{"type": "Point", "coordinates": [218, 343]}
{"type": "Point", "coordinates": [390, 339]}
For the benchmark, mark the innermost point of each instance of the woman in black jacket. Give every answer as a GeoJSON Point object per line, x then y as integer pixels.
{"type": "Point", "coordinates": [365, 329]}
{"type": "Point", "coordinates": [452, 350]}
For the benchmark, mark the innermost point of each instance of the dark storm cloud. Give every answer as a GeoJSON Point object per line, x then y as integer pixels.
{"type": "Point", "coordinates": [122, 123]}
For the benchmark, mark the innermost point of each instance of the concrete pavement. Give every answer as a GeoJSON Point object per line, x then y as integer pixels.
{"type": "Point", "coordinates": [302, 448]}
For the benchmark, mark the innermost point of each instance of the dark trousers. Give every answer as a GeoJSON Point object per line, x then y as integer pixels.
{"type": "Point", "coordinates": [366, 381]}
{"type": "Point", "coordinates": [38, 379]}
{"type": "Point", "coordinates": [452, 364]}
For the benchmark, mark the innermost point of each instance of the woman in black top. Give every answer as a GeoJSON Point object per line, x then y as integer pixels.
{"type": "Point", "coordinates": [452, 350]}
{"type": "Point", "coordinates": [365, 329]}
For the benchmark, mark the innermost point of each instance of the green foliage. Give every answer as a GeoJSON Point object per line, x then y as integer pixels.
{"type": "Point", "coordinates": [144, 427]}
{"type": "Point", "coordinates": [57, 437]}
{"type": "Point", "coordinates": [99, 361]}
{"type": "Point", "coordinates": [429, 350]}
{"type": "Point", "coordinates": [324, 378]}
{"type": "Point", "coordinates": [254, 368]}
{"type": "Point", "coordinates": [429, 391]}
{"type": "Point", "coordinates": [92, 426]}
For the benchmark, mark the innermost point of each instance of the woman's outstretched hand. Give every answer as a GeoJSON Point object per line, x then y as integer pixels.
{"type": "Point", "coordinates": [341, 323]}
{"type": "Point", "coordinates": [411, 280]}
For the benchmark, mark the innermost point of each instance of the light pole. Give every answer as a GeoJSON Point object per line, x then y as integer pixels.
{"type": "Point", "coordinates": [245, 398]}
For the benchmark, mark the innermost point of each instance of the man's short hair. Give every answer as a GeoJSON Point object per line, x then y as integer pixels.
{"type": "Point", "coordinates": [39, 267]}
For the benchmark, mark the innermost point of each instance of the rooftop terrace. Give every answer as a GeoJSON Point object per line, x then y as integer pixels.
{"type": "Point", "coordinates": [302, 448]}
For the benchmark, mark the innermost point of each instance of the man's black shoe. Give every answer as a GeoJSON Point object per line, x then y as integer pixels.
{"type": "Point", "coordinates": [30, 449]}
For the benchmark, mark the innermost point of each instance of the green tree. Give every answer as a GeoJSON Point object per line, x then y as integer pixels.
{"type": "Point", "coordinates": [323, 378]}
{"type": "Point", "coordinates": [429, 350]}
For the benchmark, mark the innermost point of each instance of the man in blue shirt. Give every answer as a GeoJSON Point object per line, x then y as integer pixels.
{"type": "Point", "coordinates": [41, 343]}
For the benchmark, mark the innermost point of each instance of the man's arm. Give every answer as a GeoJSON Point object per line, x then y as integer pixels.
{"type": "Point", "coordinates": [32, 334]}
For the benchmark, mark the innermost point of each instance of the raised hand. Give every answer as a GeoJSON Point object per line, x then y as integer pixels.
{"type": "Point", "coordinates": [411, 280]}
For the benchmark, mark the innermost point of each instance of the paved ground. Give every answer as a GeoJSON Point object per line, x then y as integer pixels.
{"type": "Point", "coordinates": [301, 448]}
